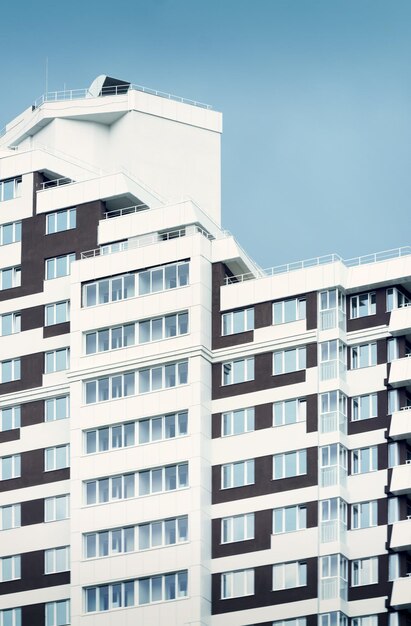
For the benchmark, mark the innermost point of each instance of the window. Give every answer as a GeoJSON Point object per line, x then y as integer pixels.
{"type": "Point", "coordinates": [364, 572]}
{"type": "Point", "coordinates": [159, 479]}
{"type": "Point", "coordinates": [163, 327]}
{"type": "Point", "coordinates": [289, 412]}
{"type": "Point", "coordinates": [57, 313]}
{"type": "Point", "coordinates": [364, 514]}
{"type": "Point", "coordinates": [123, 286]}
{"type": "Point", "coordinates": [363, 305]}
{"type": "Point", "coordinates": [333, 576]}
{"type": "Point", "coordinates": [57, 408]}
{"type": "Point", "coordinates": [10, 277]}
{"type": "Point", "coordinates": [333, 412]}
{"type": "Point", "coordinates": [10, 370]}
{"type": "Point", "coordinates": [393, 401]}
{"type": "Point", "coordinates": [10, 323]}
{"type": "Point", "coordinates": [10, 467]}
{"type": "Point", "coordinates": [364, 355]}
{"type": "Point", "coordinates": [333, 619]}
{"type": "Point", "coordinates": [392, 349]}
{"type": "Point", "coordinates": [298, 621]}
{"type": "Point", "coordinates": [366, 620]}
{"type": "Point", "coordinates": [57, 560]}
{"type": "Point", "coordinates": [364, 407]}
{"type": "Point", "coordinates": [237, 422]}
{"type": "Point", "coordinates": [163, 427]}
{"type": "Point", "coordinates": [10, 568]}
{"type": "Point", "coordinates": [56, 458]}
{"type": "Point", "coordinates": [394, 571]}
{"type": "Point", "coordinates": [163, 377]}
{"type": "Point", "coordinates": [237, 584]}
{"type": "Point", "coordinates": [364, 460]}
{"type": "Point", "coordinates": [396, 299]}
{"type": "Point", "coordinates": [110, 388]}
{"type": "Point", "coordinates": [59, 266]}
{"type": "Point", "coordinates": [110, 489]}
{"type": "Point", "coordinates": [10, 418]}
{"type": "Point", "coordinates": [393, 454]}
{"type": "Point", "coordinates": [238, 371]}
{"type": "Point", "coordinates": [237, 321]}
{"type": "Point", "coordinates": [10, 189]}
{"type": "Point", "coordinates": [288, 575]}
{"type": "Point", "coordinates": [57, 360]}
{"type": "Point", "coordinates": [237, 528]}
{"type": "Point", "coordinates": [289, 310]}
{"type": "Point", "coordinates": [10, 517]}
{"type": "Point", "coordinates": [57, 508]}
{"type": "Point", "coordinates": [10, 233]}
{"type": "Point", "coordinates": [237, 474]}
{"type": "Point", "coordinates": [109, 438]}
{"type": "Point", "coordinates": [333, 519]}
{"type": "Point", "coordinates": [60, 220]}
{"type": "Point", "coordinates": [393, 510]}
{"type": "Point", "coordinates": [289, 464]}
{"type": "Point", "coordinates": [289, 360]}
{"type": "Point", "coordinates": [289, 519]}
{"type": "Point", "coordinates": [165, 532]}
{"type": "Point", "coordinates": [58, 613]}
{"type": "Point", "coordinates": [162, 588]}
{"type": "Point", "coordinates": [11, 617]}
{"type": "Point", "coordinates": [109, 542]}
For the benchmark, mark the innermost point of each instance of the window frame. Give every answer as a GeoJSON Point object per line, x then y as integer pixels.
{"type": "Point", "coordinates": [15, 516]}
{"type": "Point", "coordinates": [17, 185]}
{"type": "Point", "coordinates": [53, 216]}
{"type": "Point", "coordinates": [300, 575]}
{"type": "Point", "coordinates": [229, 321]}
{"type": "Point", "coordinates": [238, 418]}
{"type": "Point", "coordinates": [15, 277]}
{"type": "Point", "coordinates": [357, 408]}
{"type": "Point", "coordinates": [51, 358]}
{"type": "Point", "coordinates": [15, 324]}
{"type": "Point", "coordinates": [52, 557]}
{"type": "Point", "coordinates": [15, 466]}
{"type": "Point", "coordinates": [355, 305]}
{"type": "Point", "coordinates": [357, 460]}
{"type": "Point", "coordinates": [228, 472]}
{"type": "Point", "coordinates": [228, 580]}
{"type": "Point", "coordinates": [15, 417]}
{"type": "Point", "coordinates": [300, 518]}
{"type": "Point", "coordinates": [15, 567]}
{"type": "Point", "coordinates": [363, 355]}
{"type": "Point", "coordinates": [50, 506]}
{"type": "Point", "coordinates": [51, 457]}
{"type": "Point", "coordinates": [299, 313]}
{"type": "Point", "coordinates": [359, 578]}
{"type": "Point", "coordinates": [52, 264]}
{"type": "Point", "coordinates": [52, 308]}
{"type": "Point", "coordinates": [279, 357]}
{"type": "Point", "coordinates": [300, 411]}
{"type": "Point", "coordinates": [51, 408]}
{"type": "Point", "coordinates": [51, 610]}
{"type": "Point", "coordinates": [243, 522]}
{"type": "Point", "coordinates": [359, 515]}
{"type": "Point", "coordinates": [230, 370]}
{"type": "Point", "coordinates": [300, 463]}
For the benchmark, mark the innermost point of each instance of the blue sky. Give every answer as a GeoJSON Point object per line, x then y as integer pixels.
{"type": "Point", "coordinates": [316, 97]}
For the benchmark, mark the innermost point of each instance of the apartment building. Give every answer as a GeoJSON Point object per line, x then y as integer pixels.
{"type": "Point", "coordinates": [185, 438]}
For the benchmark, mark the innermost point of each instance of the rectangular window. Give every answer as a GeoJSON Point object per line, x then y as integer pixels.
{"type": "Point", "coordinates": [109, 438]}
{"type": "Point", "coordinates": [298, 621]}
{"type": "Point", "coordinates": [124, 286]}
{"type": "Point", "coordinates": [57, 360]}
{"type": "Point", "coordinates": [10, 370]}
{"type": "Point", "coordinates": [57, 313]}
{"type": "Point", "coordinates": [364, 514]}
{"type": "Point", "coordinates": [393, 401]}
{"type": "Point", "coordinates": [59, 266]}
{"type": "Point", "coordinates": [56, 408]}
{"type": "Point", "coordinates": [163, 377]}
{"type": "Point", "coordinates": [289, 310]}
{"type": "Point", "coordinates": [158, 328]}
{"type": "Point", "coordinates": [11, 617]}
{"type": "Point", "coordinates": [364, 407]}
{"type": "Point", "coordinates": [335, 618]}
{"type": "Point", "coordinates": [160, 479]}
{"type": "Point", "coordinates": [163, 427]}
{"type": "Point", "coordinates": [10, 188]}
{"type": "Point", "coordinates": [364, 355]}
{"type": "Point", "coordinates": [237, 584]}
{"type": "Point", "coordinates": [165, 532]}
{"type": "Point", "coordinates": [363, 305]}
{"type": "Point", "coordinates": [110, 489]}
{"type": "Point", "coordinates": [393, 454]}
{"type": "Point", "coordinates": [238, 371]}
{"type": "Point", "coordinates": [289, 519]}
{"type": "Point", "coordinates": [237, 474]}
{"type": "Point", "coordinates": [57, 560]}
{"type": "Point", "coordinates": [237, 528]}
{"type": "Point", "coordinates": [10, 233]}
{"type": "Point", "coordinates": [237, 321]}
{"type": "Point", "coordinates": [364, 460]}
{"type": "Point", "coordinates": [10, 568]}
{"type": "Point", "coordinates": [396, 299]}
{"type": "Point", "coordinates": [289, 575]}
{"type": "Point", "coordinates": [162, 588]}
{"type": "Point", "coordinates": [10, 516]}
{"type": "Point", "coordinates": [109, 542]}
{"type": "Point", "coordinates": [110, 388]}
{"type": "Point", "coordinates": [289, 412]}
{"type": "Point", "coordinates": [365, 620]}
{"type": "Point", "coordinates": [56, 458]}
{"type": "Point", "coordinates": [237, 422]}
{"type": "Point", "coordinates": [10, 277]}
{"type": "Point", "coordinates": [57, 508]}
{"type": "Point", "coordinates": [10, 467]}
{"type": "Point", "coordinates": [60, 220]}
{"type": "Point", "coordinates": [10, 418]}
{"type": "Point", "coordinates": [364, 572]}
{"type": "Point", "coordinates": [291, 360]}
{"type": "Point", "coordinates": [392, 349]}
{"type": "Point", "coordinates": [58, 613]}
{"type": "Point", "coordinates": [289, 464]}
{"type": "Point", "coordinates": [10, 323]}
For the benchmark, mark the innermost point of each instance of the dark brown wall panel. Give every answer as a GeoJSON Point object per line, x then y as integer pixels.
{"type": "Point", "coordinates": [31, 374]}
{"type": "Point", "coordinates": [33, 576]}
{"type": "Point", "coordinates": [32, 413]}
{"type": "Point", "coordinates": [32, 512]}
{"type": "Point", "coordinates": [381, 317]}
{"type": "Point", "coordinates": [32, 472]}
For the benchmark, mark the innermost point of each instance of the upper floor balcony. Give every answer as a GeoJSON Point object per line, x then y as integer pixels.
{"type": "Point", "coordinates": [401, 593]}
{"type": "Point", "coordinates": [401, 479]}
{"type": "Point", "coordinates": [401, 535]}
{"type": "Point", "coordinates": [400, 321]}
{"type": "Point", "coordinates": [400, 372]}
{"type": "Point", "coordinates": [400, 427]}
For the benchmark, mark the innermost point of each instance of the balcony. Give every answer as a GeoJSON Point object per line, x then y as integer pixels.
{"type": "Point", "coordinates": [333, 475]}
{"type": "Point", "coordinates": [400, 321]}
{"type": "Point", "coordinates": [400, 372]}
{"type": "Point", "coordinates": [334, 587]}
{"type": "Point", "coordinates": [401, 479]}
{"type": "Point", "coordinates": [332, 369]}
{"type": "Point", "coordinates": [330, 317]}
{"type": "Point", "coordinates": [401, 535]}
{"type": "Point", "coordinates": [400, 427]}
{"type": "Point", "coordinates": [333, 422]}
{"type": "Point", "coordinates": [333, 530]}
{"type": "Point", "coordinates": [401, 593]}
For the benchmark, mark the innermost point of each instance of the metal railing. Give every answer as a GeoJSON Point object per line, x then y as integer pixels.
{"type": "Point", "coordinates": [126, 211]}
{"type": "Point", "coordinates": [115, 90]}
{"type": "Point", "coordinates": [145, 240]}
{"type": "Point", "coordinates": [322, 260]}
{"type": "Point", "coordinates": [328, 319]}
{"type": "Point", "coordinates": [332, 422]}
{"type": "Point", "coordinates": [333, 475]}
{"type": "Point", "coordinates": [333, 530]}
{"type": "Point", "coordinates": [57, 182]}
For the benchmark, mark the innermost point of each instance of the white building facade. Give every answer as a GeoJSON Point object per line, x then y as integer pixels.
{"type": "Point", "coordinates": [185, 438]}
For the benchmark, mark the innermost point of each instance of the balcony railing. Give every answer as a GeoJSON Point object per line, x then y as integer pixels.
{"type": "Point", "coordinates": [333, 530]}
{"type": "Point", "coordinates": [57, 182]}
{"type": "Point", "coordinates": [328, 319]}
{"type": "Point", "coordinates": [333, 475]}
{"type": "Point", "coordinates": [332, 369]}
{"type": "Point", "coordinates": [335, 587]}
{"type": "Point", "coordinates": [126, 211]}
{"type": "Point", "coordinates": [333, 422]}
{"type": "Point", "coordinates": [322, 260]}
